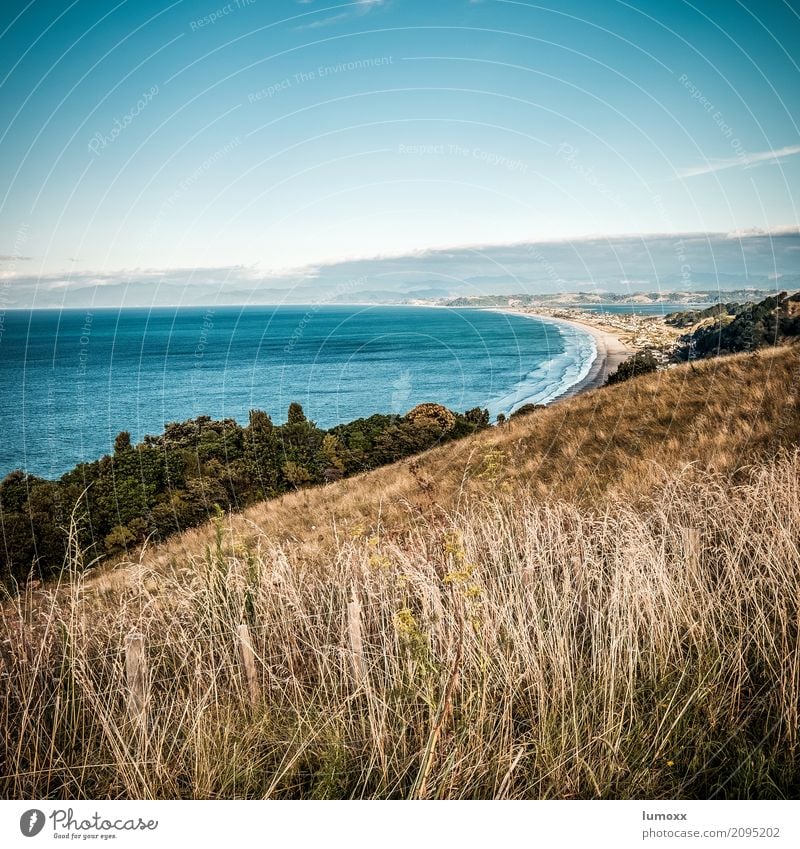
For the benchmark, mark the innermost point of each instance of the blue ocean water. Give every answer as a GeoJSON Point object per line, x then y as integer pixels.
{"type": "Point", "coordinates": [71, 380]}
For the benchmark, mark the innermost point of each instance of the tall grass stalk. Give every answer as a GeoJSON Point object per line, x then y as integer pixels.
{"type": "Point", "coordinates": [508, 648]}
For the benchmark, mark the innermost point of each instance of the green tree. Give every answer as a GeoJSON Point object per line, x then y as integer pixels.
{"type": "Point", "coordinates": [332, 456]}
{"type": "Point", "coordinates": [301, 441]}
{"type": "Point", "coordinates": [526, 409]}
{"type": "Point", "coordinates": [122, 442]}
{"type": "Point", "coordinates": [295, 414]}
{"type": "Point", "coordinates": [261, 455]}
{"type": "Point", "coordinates": [295, 474]}
{"type": "Point", "coordinates": [478, 417]}
{"type": "Point", "coordinates": [260, 422]}
{"type": "Point", "coordinates": [119, 538]}
{"type": "Point", "coordinates": [642, 362]}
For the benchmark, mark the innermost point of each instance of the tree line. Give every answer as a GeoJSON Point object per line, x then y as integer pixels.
{"type": "Point", "coordinates": [176, 480]}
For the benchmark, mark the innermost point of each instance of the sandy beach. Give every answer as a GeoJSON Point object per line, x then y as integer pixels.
{"type": "Point", "coordinates": [611, 351]}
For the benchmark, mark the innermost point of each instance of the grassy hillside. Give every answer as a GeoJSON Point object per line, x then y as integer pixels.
{"type": "Point", "coordinates": [616, 442]}
{"type": "Point", "coordinates": [599, 599]}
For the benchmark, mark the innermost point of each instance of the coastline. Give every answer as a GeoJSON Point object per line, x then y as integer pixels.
{"type": "Point", "coordinates": [610, 352]}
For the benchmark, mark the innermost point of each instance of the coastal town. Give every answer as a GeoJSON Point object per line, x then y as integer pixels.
{"type": "Point", "coordinates": [636, 331]}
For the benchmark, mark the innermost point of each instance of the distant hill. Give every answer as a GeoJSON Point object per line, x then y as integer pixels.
{"type": "Point", "coordinates": [731, 328]}
{"type": "Point", "coordinates": [577, 299]}
{"type": "Point", "coordinates": [387, 296]}
{"type": "Point", "coordinates": [689, 318]}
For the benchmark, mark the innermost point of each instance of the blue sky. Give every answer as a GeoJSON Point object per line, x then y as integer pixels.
{"type": "Point", "coordinates": [282, 145]}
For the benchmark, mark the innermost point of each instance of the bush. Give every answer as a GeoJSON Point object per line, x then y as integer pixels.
{"type": "Point", "coordinates": [526, 409]}
{"type": "Point", "coordinates": [642, 362]}
{"type": "Point", "coordinates": [477, 417]}
{"type": "Point", "coordinates": [432, 415]}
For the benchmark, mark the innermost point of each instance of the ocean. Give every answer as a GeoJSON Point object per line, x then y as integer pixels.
{"type": "Point", "coordinates": [71, 380]}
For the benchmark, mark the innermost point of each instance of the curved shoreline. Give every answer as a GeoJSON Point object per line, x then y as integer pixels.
{"type": "Point", "coordinates": [610, 352]}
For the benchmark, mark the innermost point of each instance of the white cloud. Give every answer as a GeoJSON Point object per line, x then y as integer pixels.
{"type": "Point", "coordinates": [745, 160]}
{"type": "Point", "coordinates": [324, 22]}
{"type": "Point", "coordinates": [362, 7]}
{"type": "Point", "coordinates": [747, 232]}
{"type": "Point", "coordinates": [645, 262]}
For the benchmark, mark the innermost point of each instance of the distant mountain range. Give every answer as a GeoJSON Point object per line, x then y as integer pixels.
{"type": "Point", "coordinates": [577, 299]}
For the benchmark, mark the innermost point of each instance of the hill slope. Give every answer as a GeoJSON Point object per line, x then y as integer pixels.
{"type": "Point", "coordinates": [617, 442]}
{"type": "Point", "coordinates": [596, 600]}
{"type": "Point", "coordinates": [735, 328]}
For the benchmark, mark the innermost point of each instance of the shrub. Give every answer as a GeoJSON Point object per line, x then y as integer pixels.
{"type": "Point", "coordinates": [526, 409]}
{"type": "Point", "coordinates": [642, 362]}
{"type": "Point", "coordinates": [432, 415]}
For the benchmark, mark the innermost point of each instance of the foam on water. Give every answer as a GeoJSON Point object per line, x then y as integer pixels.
{"type": "Point", "coordinates": [551, 378]}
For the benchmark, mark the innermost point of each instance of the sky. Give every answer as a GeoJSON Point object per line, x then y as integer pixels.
{"type": "Point", "coordinates": [192, 152]}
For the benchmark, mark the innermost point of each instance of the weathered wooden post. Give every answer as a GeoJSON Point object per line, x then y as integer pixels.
{"type": "Point", "coordinates": [248, 659]}
{"type": "Point", "coordinates": [692, 547]}
{"type": "Point", "coordinates": [355, 639]}
{"type": "Point", "coordinates": [136, 678]}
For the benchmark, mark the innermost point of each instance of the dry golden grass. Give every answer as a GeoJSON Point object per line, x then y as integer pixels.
{"type": "Point", "coordinates": [600, 600]}
{"type": "Point", "coordinates": [619, 441]}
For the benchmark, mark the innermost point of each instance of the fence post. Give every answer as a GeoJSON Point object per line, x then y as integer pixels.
{"type": "Point", "coordinates": [136, 678]}
{"type": "Point", "coordinates": [355, 640]}
{"type": "Point", "coordinates": [692, 546]}
{"type": "Point", "coordinates": [248, 659]}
